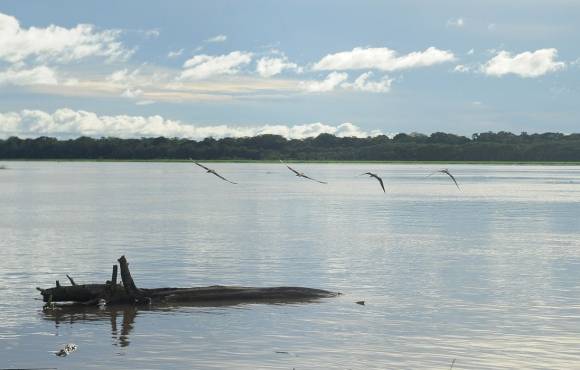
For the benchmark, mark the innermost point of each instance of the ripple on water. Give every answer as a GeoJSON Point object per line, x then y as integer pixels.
{"type": "Point", "coordinates": [487, 275]}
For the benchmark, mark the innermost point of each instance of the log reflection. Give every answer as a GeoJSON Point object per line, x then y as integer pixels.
{"type": "Point", "coordinates": [126, 315]}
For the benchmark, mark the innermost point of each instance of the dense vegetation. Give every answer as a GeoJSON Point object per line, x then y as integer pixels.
{"type": "Point", "coordinates": [489, 146]}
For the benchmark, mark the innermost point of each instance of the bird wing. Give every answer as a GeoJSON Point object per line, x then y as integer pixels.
{"type": "Point", "coordinates": [452, 178]}
{"type": "Point", "coordinates": [381, 182]}
{"type": "Point", "coordinates": [310, 178]}
{"type": "Point", "coordinates": [223, 178]}
{"type": "Point", "coordinates": [202, 166]}
{"type": "Point", "coordinates": [301, 174]}
{"type": "Point", "coordinates": [290, 168]}
{"type": "Point", "coordinates": [293, 170]}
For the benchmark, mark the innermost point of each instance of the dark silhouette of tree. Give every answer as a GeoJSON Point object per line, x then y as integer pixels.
{"type": "Point", "coordinates": [439, 146]}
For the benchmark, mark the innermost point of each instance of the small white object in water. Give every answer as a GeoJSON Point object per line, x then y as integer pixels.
{"type": "Point", "coordinates": [102, 303]}
{"type": "Point", "coordinates": [68, 349]}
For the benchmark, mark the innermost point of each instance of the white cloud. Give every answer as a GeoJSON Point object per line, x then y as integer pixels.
{"type": "Point", "coordinates": [57, 43]}
{"type": "Point", "coordinates": [126, 78]}
{"type": "Point", "coordinates": [41, 75]}
{"type": "Point", "coordinates": [71, 82]}
{"type": "Point", "coordinates": [268, 67]}
{"type": "Point", "coordinates": [119, 76]}
{"type": "Point", "coordinates": [362, 83]}
{"type": "Point", "coordinates": [336, 80]}
{"type": "Point", "coordinates": [206, 66]}
{"type": "Point", "coordinates": [176, 53]}
{"type": "Point", "coordinates": [132, 93]}
{"type": "Point", "coordinates": [153, 33]}
{"type": "Point", "coordinates": [458, 23]}
{"type": "Point", "coordinates": [314, 129]}
{"type": "Point", "coordinates": [471, 52]}
{"type": "Point", "coordinates": [66, 123]}
{"type": "Point", "coordinates": [383, 59]}
{"type": "Point", "coordinates": [218, 38]}
{"type": "Point", "coordinates": [462, 68]}
{"type": "Point", "coordinates": [145, 102]}
{"type": "Point", "coordinates": [332, 81]}
{"type": "Point", "coordinates": [527, 64]}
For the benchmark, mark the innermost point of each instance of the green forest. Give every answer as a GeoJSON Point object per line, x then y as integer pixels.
{"type": "Point", "coordinates": [489, 146]}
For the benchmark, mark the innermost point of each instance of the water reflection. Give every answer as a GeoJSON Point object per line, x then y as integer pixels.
{"type": "Point", "coordinates": [79, 314]}
{"type": "Point", "coordinates": [488, 275]}
{"type": "Point", "coordinates": [126, 315]}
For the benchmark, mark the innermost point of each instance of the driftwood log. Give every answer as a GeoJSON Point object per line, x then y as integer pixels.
{"type": "Point", "coordinates": [127, 292]}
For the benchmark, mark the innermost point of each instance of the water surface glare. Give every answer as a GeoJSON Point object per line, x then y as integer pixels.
{"type": "Point", "coordinates": [489, 275]}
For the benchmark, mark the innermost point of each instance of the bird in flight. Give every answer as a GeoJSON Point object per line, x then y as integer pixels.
{"type": "Point", "coordinates": [446, 171]}
{"type": "Point", "coordinates": [209, 170]}
{"type": "Point", "coordinates": [376, 177]}
{"type": "Point", "coordinates": [300, 174]}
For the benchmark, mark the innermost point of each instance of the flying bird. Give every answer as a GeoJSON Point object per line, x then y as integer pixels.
{"type": "Point", "coordinates": [300, 174]}
{"type": "Point", "coordinates": [376, 177]}
{"type": "Point", "coordinates": [209, 170]}
{"type": "Point", "coordinates": [446, 171]}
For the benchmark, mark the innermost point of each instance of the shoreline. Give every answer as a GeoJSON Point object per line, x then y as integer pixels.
{"type": "Point", "coordinates": [249, 161]}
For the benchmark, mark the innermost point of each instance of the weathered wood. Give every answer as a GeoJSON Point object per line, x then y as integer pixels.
{"type": "Point", "coordinates": [114, 275]}
{"type": "Point", "coordinates": [71, 280]}
{"type": "Point", "coordinates": [128, 293]}
{"type": "Point", "coordinates": [80, 293]}
{"type": "Point", "coordinates": [130, 288]}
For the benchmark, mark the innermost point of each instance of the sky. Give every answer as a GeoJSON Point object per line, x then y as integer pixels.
{"type": "Point", "coordinates": [218, 68]}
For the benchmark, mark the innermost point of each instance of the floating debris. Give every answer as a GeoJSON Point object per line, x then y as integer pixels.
{"type": "Point", "coordinates": [49, 305]}
{"type": "Point", "coordinates": [362, 303]}
{"type": "Point", "coordinates": [67, 350]}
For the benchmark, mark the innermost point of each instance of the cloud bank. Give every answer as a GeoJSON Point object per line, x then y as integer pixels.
{"type": "Point", "coordinates": [206, 66]}
{"type": "Point", "coordinates": [383, 59]}
{"type": "Point", "coordinates": [331, 82]}
{"type": "Point", "coordinates": [56, 43]}
{"type": "Point", "coordinates": [68, 123]}
{"type": "Point", "coordinates": [268, 67]}
{"type": "Point", "coordinates": [362, 83]}
{"type": "Point", "coordinates": [336, 80]}
{"type": "Point", "coordinates": [41, 75]}
{"type": "Point", "coordinates": [527, 64]}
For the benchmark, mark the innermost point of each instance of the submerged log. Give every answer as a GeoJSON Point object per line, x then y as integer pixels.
{"type": "Point", "coordinates": [129, 293]}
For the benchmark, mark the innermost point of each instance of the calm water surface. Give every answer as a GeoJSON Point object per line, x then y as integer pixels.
{"type": "Point", "coordinates": [489, 275]}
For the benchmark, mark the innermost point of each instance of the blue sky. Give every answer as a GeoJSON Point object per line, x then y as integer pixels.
{"type": "Point", "coordinates": [295, 68]}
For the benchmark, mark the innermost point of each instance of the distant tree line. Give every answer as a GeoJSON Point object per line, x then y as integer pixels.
{"type": "Point", "coordinates": [439, 146]}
